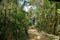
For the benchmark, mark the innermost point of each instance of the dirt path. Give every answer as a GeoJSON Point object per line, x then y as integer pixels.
{"type": "Point", "coordinates": [34, 34]}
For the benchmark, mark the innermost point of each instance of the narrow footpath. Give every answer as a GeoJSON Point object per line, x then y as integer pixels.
{"type": "Point", "coordinates": [34, 34]}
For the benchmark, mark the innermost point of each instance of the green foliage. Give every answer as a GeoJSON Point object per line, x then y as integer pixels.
{"type": "Point", "coordinates": [17, 23]}
{"type": "Point", "coordinates": [14, 23]}
{"type": "Point", "coordinates": [58, 11]}
{"type": "Point", "coordinates": [58, 30]}
{"type": "Point", "coordinates": [46, 17]}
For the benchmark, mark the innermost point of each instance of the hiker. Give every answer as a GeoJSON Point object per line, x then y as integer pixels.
{"type": "Point", "coordinates": [33, 20]}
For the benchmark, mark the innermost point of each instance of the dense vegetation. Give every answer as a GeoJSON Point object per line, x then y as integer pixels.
{"type": "Point", "coordinates": [14, 23]}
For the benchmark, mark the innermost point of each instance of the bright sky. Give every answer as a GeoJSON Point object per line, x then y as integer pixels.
{"type": "Point", "coordinates": [27, 6]}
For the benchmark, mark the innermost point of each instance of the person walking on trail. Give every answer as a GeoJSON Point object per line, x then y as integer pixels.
{"type": "Point", "coordinates": [33, 20]}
